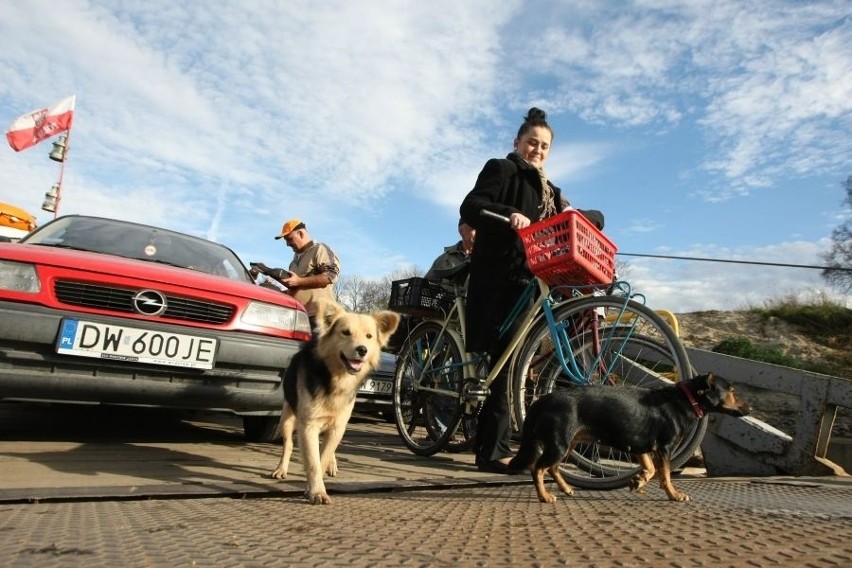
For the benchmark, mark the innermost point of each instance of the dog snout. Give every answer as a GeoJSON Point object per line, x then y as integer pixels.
{"type": "Point", "coordinates": [736, 405]}
{"type": "Point", "coordinates": [361, 350]}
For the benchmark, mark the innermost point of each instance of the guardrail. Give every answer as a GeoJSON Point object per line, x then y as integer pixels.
{"type": "Point", "coordinates": [751, 447]}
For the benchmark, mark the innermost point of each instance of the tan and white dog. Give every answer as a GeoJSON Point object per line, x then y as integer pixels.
{"type": "Point", "coordinates": [320, 387]}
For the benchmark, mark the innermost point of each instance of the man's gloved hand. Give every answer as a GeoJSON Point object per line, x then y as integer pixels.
{"type": "Point", "coordinates": [277, 273]}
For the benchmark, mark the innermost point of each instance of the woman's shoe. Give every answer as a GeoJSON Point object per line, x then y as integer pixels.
{"type": "Point", "coordinates": [493, 466]}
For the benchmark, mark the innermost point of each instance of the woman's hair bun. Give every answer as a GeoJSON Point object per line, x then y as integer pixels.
{"type": "Point", "coordinates": [535, 114]}
{"type": "Point", "coordinates": [535, 118]}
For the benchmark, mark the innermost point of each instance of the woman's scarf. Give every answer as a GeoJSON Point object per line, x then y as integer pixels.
{"type": "Point", "coordinates": [548, 203]}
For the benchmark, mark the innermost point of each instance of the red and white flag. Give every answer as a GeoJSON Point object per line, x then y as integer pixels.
{"type": "Point", "coordinates": [33, 127]}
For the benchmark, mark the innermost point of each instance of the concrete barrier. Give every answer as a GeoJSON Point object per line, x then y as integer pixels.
{"type": "Point", "coordinates": [747, 446]}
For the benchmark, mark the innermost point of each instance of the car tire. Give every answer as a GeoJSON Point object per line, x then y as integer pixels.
{"type": "Point", "coordinates": [265, 429]}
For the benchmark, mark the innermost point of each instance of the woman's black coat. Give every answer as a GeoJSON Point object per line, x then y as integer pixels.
{"type": "Point", "coordinates": [498, 270]}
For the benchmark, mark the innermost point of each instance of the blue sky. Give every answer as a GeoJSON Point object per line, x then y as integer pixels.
{"type": "Point", "coordinates": [713, 129]}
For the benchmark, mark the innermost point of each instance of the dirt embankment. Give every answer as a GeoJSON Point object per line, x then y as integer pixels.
{"type": "Point", "coordinates": [705, 330]}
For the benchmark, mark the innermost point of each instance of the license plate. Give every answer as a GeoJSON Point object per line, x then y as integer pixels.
{"type": "Point", "coordinates": [121, 343]}
{"type": "Point", "coordinates": [377, 387]}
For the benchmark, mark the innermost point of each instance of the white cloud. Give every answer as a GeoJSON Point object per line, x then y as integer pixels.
{"type": "Point", "coordinates": [312, 102]}
{"type": "Point", "coordinates": [774, 93]}
{"type": "Point", "coordinates": [568, 161]}
{"type": "Point", "coordinates": [645, 225]}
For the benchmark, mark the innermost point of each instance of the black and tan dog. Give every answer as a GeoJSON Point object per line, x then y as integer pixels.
{"type": "Point", "coordinates": [320, 387]}
{"type": "Point", "coordinates": [647, 423]}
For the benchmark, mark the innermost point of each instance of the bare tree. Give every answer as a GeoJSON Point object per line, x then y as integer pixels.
{"type": "Point", "coordinates": [362, 295]}
{"type": "Point", "coordinates": [349, 292]}
{"type": "Point", "coordinates": [839, 258]}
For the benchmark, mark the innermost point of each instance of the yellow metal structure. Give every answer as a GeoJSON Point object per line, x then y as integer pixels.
{"type": "Point", "coordinates": [15, 217]}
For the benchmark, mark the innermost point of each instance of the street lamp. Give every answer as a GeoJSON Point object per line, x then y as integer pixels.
{"type": "Point", "coordinates": [57, 154]}
{"type": "Point", "coordinates": [50, 199]}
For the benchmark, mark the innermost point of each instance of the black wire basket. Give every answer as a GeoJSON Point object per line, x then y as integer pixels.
{"type": "Point", "coordinates": [419, 297]}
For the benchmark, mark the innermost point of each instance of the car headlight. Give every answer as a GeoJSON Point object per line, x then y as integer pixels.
{"type": "Point", "coordinates": [18, 277]}
{"type": "Point", "coordinates": [278, 317]}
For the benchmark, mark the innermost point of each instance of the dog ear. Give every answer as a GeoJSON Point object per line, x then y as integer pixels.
{"type": "Point", "coordinates": [387, 322]}
{"type": "Point", "coordinates": [702, 383]}
{"type": "Point", "coordinates": [327, 312]}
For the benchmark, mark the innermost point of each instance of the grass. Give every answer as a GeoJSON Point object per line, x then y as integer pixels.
{"type": "Point", "coordinates": [825, 321]}
{"type": "Point", "coordinates": [745, 348]}
{"type": "Point", "coordinates": [820, 316]}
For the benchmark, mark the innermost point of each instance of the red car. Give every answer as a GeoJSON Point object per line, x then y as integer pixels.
{"type": "Point", "coordinates": [102, 311]}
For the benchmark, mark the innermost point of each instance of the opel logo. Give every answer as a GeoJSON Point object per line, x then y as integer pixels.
{"type": "Point", "coordinates": [149, 303]}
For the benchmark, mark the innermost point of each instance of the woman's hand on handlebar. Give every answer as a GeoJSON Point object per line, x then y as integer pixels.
{"type": "Point", "coordinates": [516, 220]}
{"type": "Point", "coordinates": [519, 221]}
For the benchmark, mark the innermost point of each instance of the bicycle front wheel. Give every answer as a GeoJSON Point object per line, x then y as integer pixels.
{"type": "Point", "coordinates": [427, 388]}
{"type": "Point", "coordinates": [608, 340]}
{"type": "Point", "coordinates": [465, 437]}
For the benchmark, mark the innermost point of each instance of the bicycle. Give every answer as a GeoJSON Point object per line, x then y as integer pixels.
{"type": "Point", "coordinates": [582, 328]}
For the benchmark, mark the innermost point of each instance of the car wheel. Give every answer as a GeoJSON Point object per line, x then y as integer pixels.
{"type": "Point", "coordinates": [262, 428]}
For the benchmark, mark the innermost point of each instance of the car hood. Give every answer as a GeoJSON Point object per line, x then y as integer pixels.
{"type": "Point", "coordinates": [152, 272]}
{"type": "Point", "coordinates": [387, 364]}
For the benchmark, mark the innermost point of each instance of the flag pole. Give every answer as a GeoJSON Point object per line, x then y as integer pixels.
{"type": "Point", "coordinates": [62, 168]}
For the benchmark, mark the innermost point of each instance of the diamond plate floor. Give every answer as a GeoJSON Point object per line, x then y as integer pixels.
{"type": "Point", "coordinates": [728, 523]}
{"type": "Point", "coordinates": [88, 488]}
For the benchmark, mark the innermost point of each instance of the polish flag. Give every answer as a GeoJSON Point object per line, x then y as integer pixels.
{"type": "Point", "coordinates": [33, 127]}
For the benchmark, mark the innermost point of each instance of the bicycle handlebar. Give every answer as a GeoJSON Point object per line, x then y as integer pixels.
{"type": "Point", "coordinates": [493, 215]}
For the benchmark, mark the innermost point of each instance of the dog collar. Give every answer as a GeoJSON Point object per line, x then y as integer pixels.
{"type": "Point", "coordinates": [695, 406]}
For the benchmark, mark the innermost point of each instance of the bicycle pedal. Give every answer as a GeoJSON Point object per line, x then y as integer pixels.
{"type": "Point", "coordinates": [476, 397]}
{"type": "Point", "coordinates": [475, 393]}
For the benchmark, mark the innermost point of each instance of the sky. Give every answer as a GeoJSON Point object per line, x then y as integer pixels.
{"type": "Point", "coordinates": [714, 129]}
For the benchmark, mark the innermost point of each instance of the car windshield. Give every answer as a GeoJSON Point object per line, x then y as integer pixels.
{"type": "Point", "coordinates": [142, 242]}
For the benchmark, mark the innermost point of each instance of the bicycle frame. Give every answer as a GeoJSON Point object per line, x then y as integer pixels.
{"type": "Point", "coordinates": [559, 334]}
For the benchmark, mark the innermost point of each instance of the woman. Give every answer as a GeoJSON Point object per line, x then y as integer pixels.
{"type": "Point", "coordinates": [515, 187]}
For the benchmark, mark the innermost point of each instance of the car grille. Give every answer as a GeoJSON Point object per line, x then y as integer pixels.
{"type": "Point", "coordinates": [121, 300]}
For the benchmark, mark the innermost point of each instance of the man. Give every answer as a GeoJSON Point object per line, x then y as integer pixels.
{"type": "Point", "coordinates": [455, 254]}
{"type": "Point", "coordinates": [313, 270]}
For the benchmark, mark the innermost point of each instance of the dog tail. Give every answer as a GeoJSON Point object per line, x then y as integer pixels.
{"type": "Point", "coordinates": [528, 451]}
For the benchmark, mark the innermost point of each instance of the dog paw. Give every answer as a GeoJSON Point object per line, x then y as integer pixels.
{"type": "Point", "coordinates": [679, 497]}
{"type": "Point", "coordinates": [332, 470]}
{"type": "Point", "coordinates": [637, 484]}
{"type": "Point", "coordinates": [279, 474]}
{"type": "Point", "coordinates": [317, 498]}
{"type": "Point", "coordinates": [547, 497]}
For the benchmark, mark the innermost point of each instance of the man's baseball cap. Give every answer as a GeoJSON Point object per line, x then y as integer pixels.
{"type": "Point", "coordinates": [289, 227]}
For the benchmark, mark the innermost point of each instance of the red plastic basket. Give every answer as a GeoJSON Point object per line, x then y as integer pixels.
{"type": "Point", "coordinates": [567, 249]}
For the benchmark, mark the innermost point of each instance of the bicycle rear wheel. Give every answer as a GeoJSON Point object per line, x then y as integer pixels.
{"type": "Point", "coordinates": [427, 388]}
{"type": "Point", "coordinates": [611, 341]}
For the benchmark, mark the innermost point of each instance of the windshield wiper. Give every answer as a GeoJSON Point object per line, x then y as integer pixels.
{"type": "Point", "coordinates": [63, 246]}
